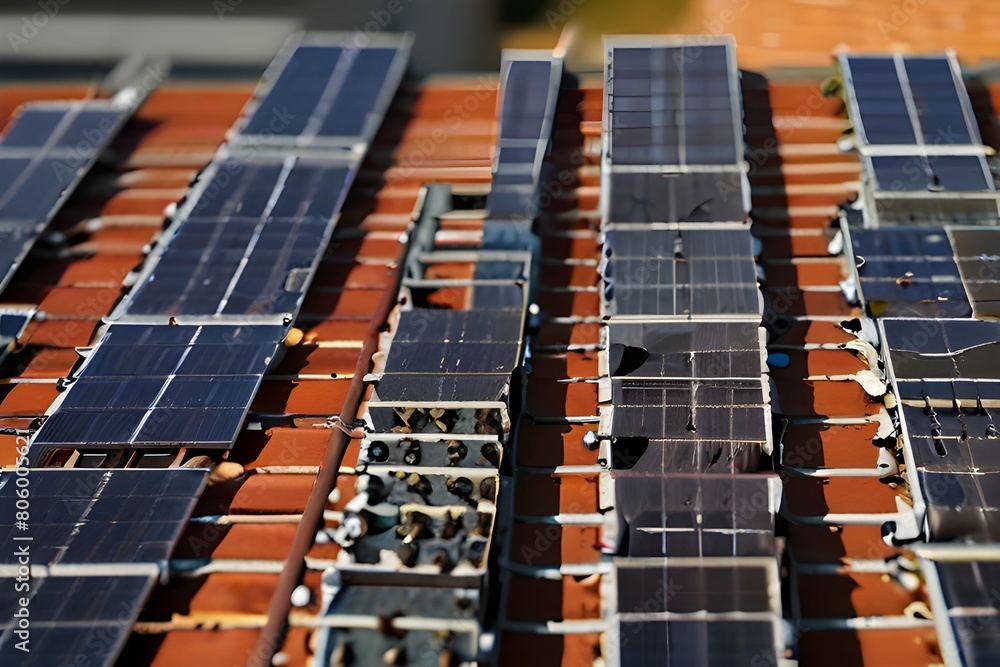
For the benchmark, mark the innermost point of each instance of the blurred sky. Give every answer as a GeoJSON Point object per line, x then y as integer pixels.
{"type": "Point", "coordinates": [465, 35]}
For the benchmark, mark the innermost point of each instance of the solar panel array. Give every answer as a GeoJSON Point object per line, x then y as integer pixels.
{"type": "Point", "coordinates": [933, 274]}
{"type": "Point", "coordinates": [689, 417]}
{"type": "Point", "coordinates": [96, 540]}
{"type": "Point", "coordinates": [233, 267]}
{"type": "Point", "coordinates": [919, 137]}
{"type": "Point", "coordinates": [44, 154]}
{"type": "Point", "coordinates": [441, 408]}
{"type": "Point", "coordinates": [234, 264]}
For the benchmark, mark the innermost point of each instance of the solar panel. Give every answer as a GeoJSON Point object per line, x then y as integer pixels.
{"type": "Point", "coordinates": [46, 126]}
{"type": "Point", "coordinates": [909, 100]}
{"type": "Point", "coordinates": [101, 516]}
{"type": "Point", "coordinates": [676, 197]}
{"type": "Point", "coordinates": [688, 589]}
{"type": "Point", "coordinates": [909, 270]}
{"type": "Point", "coordinates": [424, 324]}
{"type": "Point", "coordinates": [978, 253]}
{"type": "Point", "coordinates": [327, 90]}
{"type": "Point", "coordinates": [74, 620]}
{"type": "Point", "coordinates": [934, 173]}
{"type": "Point", "coordinates": [715, 643]}
{"type": "Point", "coordinates": [675, 409]}
{"type": "Point", "coordinates": [685, 350]}
{"type": "Point", "coordinates": [529, 86]}
{"type": "Point", "coordinates": [44, 153]}
{"type": "Point", "coordinates": [943, 349]}
{"type": "Point", "coordinates": [250, 245]}
{"type": "Point", "coordinates": [673, 104]}
{"type": "Point", "coordinates": [674, 273]}
{"type": "Point", "coordinates": [162, 385]}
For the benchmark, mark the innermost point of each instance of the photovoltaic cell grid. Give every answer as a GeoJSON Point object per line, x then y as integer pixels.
{"type": "Point", "coordinates": [676, 197]}
{"type": "Point", "coordinates": [714, 643]}
{"type": "Point", "coordinates": [250, 242]}
{"type": "Point", "coordinates": [447, 356]}
{"type": "Point", "coordinates": [327, 94]}
{"type": "Point", "coordinates": [909, 101]}
{"type": "Point", "coordinates": [161, 385]}
{"type": "Point", "coordinates": [80, 516]}
{"type": "Point", "coordinates": [690, 410]}
{"type": "Point", "coordinates": [75, 620]}
{"type": "Point", "coordinates": [681, 273]}
{"type": "Point", "coordinates": [673, 105]}
{"type": "Point", "coordinates": [909, 271]}
{"type": "Point", "coordinates": [529, 87]}
{"type": "Point", "coordinates": [44, 153]}
{"type": "Point", "coordinates": [685, 350]}
{"type": "Point", "coordinates": [110, 520]}
{"type": "Point", "coordinates": [713, 514]}
{"type": "Point", "coordinates": [948, 380]}
{"type": "Point", "coordinates": [725, 410]}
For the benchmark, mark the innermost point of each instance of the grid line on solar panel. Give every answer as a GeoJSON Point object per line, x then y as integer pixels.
{"type": "Point", "coordinates": [153, 384]}
{"type": "Point", "coordinates": [82, 516]}
{"type": "Point", "coordinates": [254, 234]}
{"type": "Point", "coordinates": [681, 272]}
{"type": "Point", "coordinates": [722, 410]}
{"type": "Point", "coordinates": [672, 105]}
{"type": "Point", "coordinates": [909, 270]}
{"type": "Point", "coordinates": [909, 100]}
{"type": "Point", "coordinates": [327, 90]}
{"type": "Point", "coordinates": [74, 620]}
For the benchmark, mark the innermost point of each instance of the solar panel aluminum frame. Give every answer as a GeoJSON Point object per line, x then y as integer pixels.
{"type": "Point", "coordinates": [854, 110]}
{"type": "Point", "coordinates": [930, 556]}
{"type": "Point", "coordinates": [878, 205]}
{"type": "Point", "coordinates": [418, 262]}
{"type": "Point", "coordinates": [611, 42]}
{"type": "Point", "coordinates": [357, 145]}
{"type": "Point", "coordinates": [125, 103]}
{"type": "Point", "coordinates": [204, 181]}
{"type": "Point", "coordinates": [540, 144]}
{"type": "Point", "coordinates": [909, 458]}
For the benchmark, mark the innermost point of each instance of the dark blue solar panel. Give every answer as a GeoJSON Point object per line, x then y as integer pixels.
{"type": "Point", "coordinates": [359, 93]}
{"type": "Point", "coordinates": [292, 99]}
{"type": "Point", "coordinates": [896, 173]}
{"type": "Point", "coordinates": [164, 384]}
{"type": "Point", "coordinates": [525, 94]}
{"type": "Point", "coordinates": [936, 97]}
{"type": "Point", "coordinates": [255, 233]}
{"type": "Point", "coordinates": [325, 91]}
{"type": "Point", "coordinates": [881, 101]}
{"type": "Point", "coordinates": [672, 105]}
